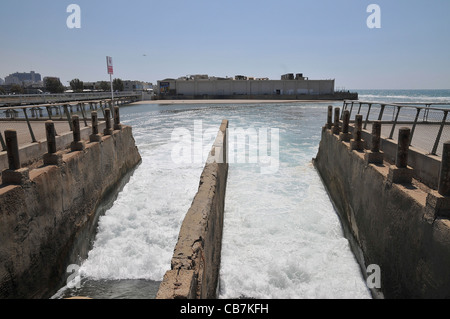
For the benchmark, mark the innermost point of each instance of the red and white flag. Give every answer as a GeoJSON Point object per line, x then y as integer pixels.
{"type": "Point", "coordinates": [109, 64]}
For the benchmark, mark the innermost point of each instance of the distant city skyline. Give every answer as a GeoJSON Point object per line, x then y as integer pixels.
{"type": "Point", "coordinates": [150, 41]}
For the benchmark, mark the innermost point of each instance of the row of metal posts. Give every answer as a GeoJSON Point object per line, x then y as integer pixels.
{"type": "Point", "coordinates": [80, 107]}
{"type": "Point", "coordinates": [401, 172]}
{"type": "Point", "coordinates": [64, 97]}
{"type": "Point", "coordinates": [395, 120]}
{"type": "Point", "coordinates": [68, 110]}
{"type": "Point", "coordinates": [17, 175]}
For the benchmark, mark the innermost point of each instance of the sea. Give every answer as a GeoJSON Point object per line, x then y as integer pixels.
{"type": "Point", "coordinates": [282, 239]}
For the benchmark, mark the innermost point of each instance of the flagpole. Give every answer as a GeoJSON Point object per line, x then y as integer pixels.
{"type": "Point", "coordinates": [110, 72]}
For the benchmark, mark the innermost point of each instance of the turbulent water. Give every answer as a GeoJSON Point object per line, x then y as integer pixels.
{"type": "Point", "coordinates": [282, 237]}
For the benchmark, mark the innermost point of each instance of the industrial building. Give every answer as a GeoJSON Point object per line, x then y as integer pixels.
{"type": "Point", "coordinates": [203, 85]}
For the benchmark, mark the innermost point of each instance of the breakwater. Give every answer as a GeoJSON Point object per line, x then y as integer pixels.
{"type": "Point", "coordinates": [397, 220]}
{"type": "Point", "coordinates": [47, 213]}
{"type": "Point", "coordinates": [195, 263]}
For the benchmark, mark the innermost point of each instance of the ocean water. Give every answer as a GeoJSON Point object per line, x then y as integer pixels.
{"type": "Point", "coordinates": [282, 237]}
{"type": "Point", "coordinates": [406, 96]}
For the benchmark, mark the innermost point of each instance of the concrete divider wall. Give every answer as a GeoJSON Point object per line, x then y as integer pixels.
{"type": "Point", "coordinates": [195, 263]}
{"type": "Point", "coordinates": [42, 221]}
{"type": "Point", "coordinates": [391, 224]}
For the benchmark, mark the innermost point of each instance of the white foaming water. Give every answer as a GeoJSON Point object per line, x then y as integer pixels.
{"type": "Point", "coordinates": [282, 237]}
{"type": "Point", "coordinates": [137, 235]}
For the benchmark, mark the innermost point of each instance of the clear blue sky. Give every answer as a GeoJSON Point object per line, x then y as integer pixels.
{"type": "Point", "coordinates": [151, 40]}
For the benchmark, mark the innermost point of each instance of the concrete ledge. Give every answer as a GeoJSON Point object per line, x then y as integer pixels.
{"type": "Point", "coordinates": [374, 157]}
{"type": "Point", "coordinates": [77, 146]}
{"type": "Point", "coordinates": [400, 175]}
{"type": "Point", "coordinates": [345, 137]}
{"type": "Point", "coordinates": [195, 263]}
{"type": "Point", "coordinates": [95, 138]}
{"type": "Point", "coordinates": [178, 284]}
{"type": "Point", "coordinates": [356, 145]}
{"type": "Point", "coordinates": [53, 159]}
{"type": "Point", "coordinates": [16, 177]}
{"type": "Point", "coordinates": [438, 205]}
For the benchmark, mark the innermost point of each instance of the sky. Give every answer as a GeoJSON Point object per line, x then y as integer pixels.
{"type": "Point", "coordinates": [153, 40]}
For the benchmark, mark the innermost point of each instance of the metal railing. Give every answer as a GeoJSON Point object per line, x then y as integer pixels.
{"type": "Point", "coordinates": [60, 98]}
{"type": "Point", "coordinates": [430, 124]}
{"type": "Point", "coordinates": [28, 120]}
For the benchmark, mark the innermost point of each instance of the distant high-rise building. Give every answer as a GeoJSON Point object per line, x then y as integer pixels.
{"type": "Point", "coordinates": [23, 78]}
{"type": "Point", "coordinates": [1, 81]}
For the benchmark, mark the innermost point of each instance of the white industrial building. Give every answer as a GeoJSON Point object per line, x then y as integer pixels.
{"type": "Point", "coordinates": [202, 85]}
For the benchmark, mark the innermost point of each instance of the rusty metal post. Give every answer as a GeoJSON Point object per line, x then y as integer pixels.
{"type": "Point", "coordinates": [345, 136]}
{"type": "Point", "coordinates": [336, 128]}
{"type": "Point", "coordinates": [374, 155]}
{"type": "Point", "coordinates": [401, 172]}
{"type": "Point", "coordinates": [77, 144]}
{"type": "Point", "coordinates": [51, 136]}
{"type": "Point", "coordinates": [117, 125]}
{"type": "Point", "coordinates": [402, 147]}
{"type": "Point", "coordinates": [108, 130]}
{"type": "Point", "coordinates": [51, 157]}
{"type": "Point", "coordinates": [345, 121]}
{"type": "Point", "coordinates": [12, 149]}
{"type": "Point", "coordinates": [94, 137]}
{"type": "Point", "coordinates": [357, 143]}
{"type": "Point", "coordinates": [14, 174]}
{"type": "Point", "coordinates": [76, 128]}
{"type": "Point", "coordinates": [94, 122]}
{"type": "Point", "coordinates": [376, 136]}
{"type": "Point", "coordinates": [330, 117]}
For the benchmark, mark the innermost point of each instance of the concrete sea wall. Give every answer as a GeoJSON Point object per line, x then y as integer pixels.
{"type": "Point", "coordinates": [396, 226]}
{"type": "Point", "coordinates": [195, 263]}
{"type": "Point", "coordinates": [44, 221]}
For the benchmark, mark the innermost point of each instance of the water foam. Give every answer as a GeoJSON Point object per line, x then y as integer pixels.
{"type": "Point", "coordinates": [136, 236]}
{"type": "Point", "coordinates": [282, 237]}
